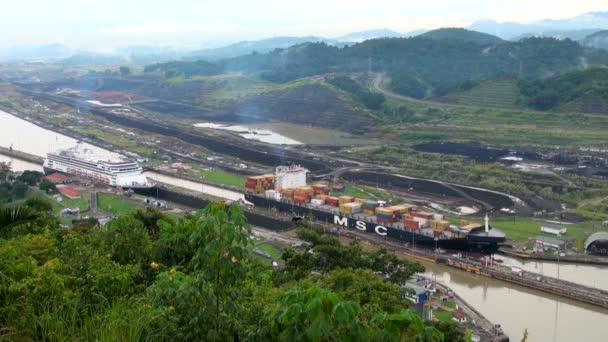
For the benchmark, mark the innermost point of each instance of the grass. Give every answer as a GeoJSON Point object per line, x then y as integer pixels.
{"type": "Point", "coordinates": [523, 229]}
{"type": "Point", "coordinates": [271, 249]}
{"type": "Point", "coordinates": [502, 93]}
{"type": "Point", "coordinates": [449, 304]}
{"type": "Point", "coordinates": [443, 315]}
{"type": "Point", "coordinates": [115, 204]}
{"type": "Point", "coordinates": [223, 178]}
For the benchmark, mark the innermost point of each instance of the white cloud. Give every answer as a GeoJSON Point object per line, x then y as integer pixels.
{"type": "Point", "coordinates": [172, 27]}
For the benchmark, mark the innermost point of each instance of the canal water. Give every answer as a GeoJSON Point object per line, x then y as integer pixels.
{"type": "Point", "coordinates": [547, 317]}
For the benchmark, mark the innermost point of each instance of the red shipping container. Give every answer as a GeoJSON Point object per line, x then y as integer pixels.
{"type": "Point", "coordinates": [411, 224]}
{"type": "Point", "coordinates": [422, 215]}
{"type": "Point", "coordinates": [383, 220]}
{"type": "Point", "coordinates": [332, 201]}
{"type": "Point", "coordinates": [436, 233]}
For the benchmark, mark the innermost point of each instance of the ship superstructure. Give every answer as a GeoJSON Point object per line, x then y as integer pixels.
{"type": "Point", "coordinates": [81, 161]}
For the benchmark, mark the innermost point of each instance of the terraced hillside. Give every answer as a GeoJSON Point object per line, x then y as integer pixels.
{"type": "Point", "coordinates": [501, 93]}
{"type": "Point", "coordinates": [587, 104]}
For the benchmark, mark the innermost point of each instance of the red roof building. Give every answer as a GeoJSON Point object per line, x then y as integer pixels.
{"type": "Point", "coordinates": [69, 191]}
{"type": "Point", "coordinates": [459, 316]}
{"type": "Point", "coordinates": [58, 178]}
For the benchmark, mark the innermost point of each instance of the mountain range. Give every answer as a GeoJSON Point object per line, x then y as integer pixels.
{"type": "Point", "coordinates": [593, 21]}
{"type": "Point", "coordinates": [577, 28]}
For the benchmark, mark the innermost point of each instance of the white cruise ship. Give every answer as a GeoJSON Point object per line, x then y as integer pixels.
{"type": "Point", "coordinates": [81, 161]}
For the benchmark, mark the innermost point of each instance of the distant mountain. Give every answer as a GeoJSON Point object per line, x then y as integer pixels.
{"type": "Point", "coordinates": [568, 34]}
{"type": "Point", "coordinates": [358, 37]}
{"type": "Point", "coordinates": [511, 30]}
{"type": "Point", "coordinates": [259, 46]}
{"type": "Point", "coordinates": [416, 66]}
{"type": "Point", "coordinates": [44, 52]}
{"type": "Point", "coordinates": [597, 40]}
{"type": "Point", "coordinates": [147, 54]}
{"type": "Point", "coordinates": [87, 58]}
{"type": "Point", "coordinates": [462, 34]}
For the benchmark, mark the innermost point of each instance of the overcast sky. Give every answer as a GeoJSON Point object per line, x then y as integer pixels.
{"type": "Point", "coordinates": [101, 24]}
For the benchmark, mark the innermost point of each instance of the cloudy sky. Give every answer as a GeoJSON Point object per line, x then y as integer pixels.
{"type": "Point", "coordinates": [102, 24]}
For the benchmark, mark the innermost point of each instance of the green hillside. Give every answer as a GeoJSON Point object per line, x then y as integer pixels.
{"type": "Point", "coordinates": [462, 34]}
{"type": "Point", "coordinates": [583, 91]}
{"type": "Point", "coordinates": [500, 93]}
{"type": "Point", "coordinates": [435, 64]}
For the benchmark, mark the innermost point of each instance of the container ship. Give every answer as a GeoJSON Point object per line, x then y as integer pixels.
{"type": "Point", "coordinates": [287, 191]}
{"type": "Point", "coordinates": [81, 161]}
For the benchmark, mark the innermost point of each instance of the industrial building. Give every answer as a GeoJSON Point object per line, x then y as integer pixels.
{"type": "Point", "coordinates": [543, 243]}
{"type": "Point", "coordinates": [597, 243]}
{"type": "Point", "coordinates": [553, 229]}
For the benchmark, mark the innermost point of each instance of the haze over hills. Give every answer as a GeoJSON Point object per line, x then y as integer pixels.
{"type": "Point", "coordinates": [597, 40]}
{"type": "Point", "coordinates": [513, 30]}
{"type": "Point", "coordinates": [576, 28]}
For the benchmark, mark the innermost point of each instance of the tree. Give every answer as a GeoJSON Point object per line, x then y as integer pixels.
{"type": "Point", "coordinates": [47, 186]}
{"type": "Point", "coordinates": [316, 314]}
{"type": "Point", "coordinates": [220, 261]}
{"type": "Point", "coordinates": [20, 189]}
{"type": "Point", "coordinates": [5, 170]}
{"type": "Point", "coordinates": [127, 240]}
{"type": "Point", "coordinates": [172, 246]}
{"type": "Point", "coordinates": [29, 177]}
{"type": "Point", "coordinates": [124, 71]}
{"type": "Point", "coordinates": [150, 217]}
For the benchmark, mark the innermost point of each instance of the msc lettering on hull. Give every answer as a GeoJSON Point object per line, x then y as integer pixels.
{"type": "Point", "coordinates": [360, 225]}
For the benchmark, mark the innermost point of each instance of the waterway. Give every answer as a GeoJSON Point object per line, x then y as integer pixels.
{"type": "Point", "coordinates": [195, 186]}
{"type": "Point", "coordinates": [547, 317]}
{"type": "Point", "coordinates": [252, 133]}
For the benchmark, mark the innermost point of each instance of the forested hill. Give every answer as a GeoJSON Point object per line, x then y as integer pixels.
{"type": "Point", "coordinates": [462, 34]}
{"type": "Point", "coordinates": [583, 91]}
{"type": "Point", "coordinates": [433, 64]}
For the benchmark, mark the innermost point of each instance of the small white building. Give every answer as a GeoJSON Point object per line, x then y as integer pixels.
{"type": "Point", "coordinates": [552, 229]}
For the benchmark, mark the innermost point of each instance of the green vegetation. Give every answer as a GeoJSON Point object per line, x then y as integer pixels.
{"type": "Point", "coordinates": [271, 249]}
{"type": "Point", "coordinates": [416, 65]}
{"type": "Point", "coordinates": [223, 178]}
{"type": "Point", "coordinates": [443, 315]}
{"type": "Point", "coordinates": [590, 85]}
{"type": "Point", "coordinates": [146, 277]}
{"type": "Point", "coordinates": [369, 99]}
{"type": "Point", "coordinates": [584, 195]}
{"type": "Point", "coordinates": [497, 93]}
{"type": "Point", "coordinates": [173, 69]}
{"type": "Point", "coordinates": [462, 34]}
{"type": "Point", "coordinates": [116, 205]}
{"type": "Point", "coordinates": [522, 229]}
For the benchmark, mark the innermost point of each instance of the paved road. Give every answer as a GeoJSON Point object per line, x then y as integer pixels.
{"type": "Point", "coordinates": [93, 201]}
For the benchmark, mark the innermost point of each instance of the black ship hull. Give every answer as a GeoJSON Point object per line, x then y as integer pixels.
{"type": "Point", "coordinates": [482, 243]}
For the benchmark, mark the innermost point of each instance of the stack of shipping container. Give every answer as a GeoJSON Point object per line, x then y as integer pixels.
{"type": "Point", "coordinates": [369, 207]}
{"type": "Point", "coordinates": [350, 208]}
{"type": "Point", "coordinates": [288, 194]}
{"type": "Point", "coordinates": [303, 194]}
{"type": "Point", "coordinates": [345, 199]}
{"type": "Point", "coordinates": [259, 184]}
{"type": "Point", "coordinates": [333, 201]}
{"type": "Point", "coordinates": [320, 189]}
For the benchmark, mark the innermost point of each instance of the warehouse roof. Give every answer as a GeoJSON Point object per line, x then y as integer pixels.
{"type": "Point", "coordinates": [599, 236]}
{"type": "Point", "coordinates": [57, 178]}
